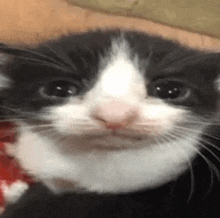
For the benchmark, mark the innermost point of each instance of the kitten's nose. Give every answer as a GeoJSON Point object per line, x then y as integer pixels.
{"type": "Point", "coordinates": [115, 114]}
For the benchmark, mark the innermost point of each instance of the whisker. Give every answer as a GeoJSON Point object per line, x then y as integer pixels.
{"type": "Point", "coordinates": [57, 65]}
{"type": "Point", "coordinates": [62, 56]}
{"type": "Point", "coordinates": [211, 136]}
{"type": "Point", "coordinates": [196, 131]}
{"type": "Point", "coordinates": [199, 122]}
{"type": "Point", "coordinates": [170, 138]}
{"type": "Point", "coordinates": [203, 120]}
{"type": "Point", "coordinates": [213, 123]}
{"type": "Point", "coordinates": [187, 129]}
{"type": "Point", "coordinates": [50, 133]}
{"type": "Point", "coordinates": [11, 109]}
{"type": "Point", "coordinates": [17, 52]}
{"type": "Point", "coordinates": [19, 111]}
{"type": "Point", "coordinates": [9, 120]}
{"type": "Point", "coordinates": [210, 164]}
{"type": "Point", "coordinates": [147, 125]}
{"type": "Point", "coordinates": [33, 126]}
{"type": "Point", "coordinates": [192, 177]}
{"type": "Point", "coordinates": [199, 143]}
{"type": "Point", "coordinates": [211, 144]}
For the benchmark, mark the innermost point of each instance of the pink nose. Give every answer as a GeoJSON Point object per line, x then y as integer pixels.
{"type": "Point", "coordinates": [116, 115]}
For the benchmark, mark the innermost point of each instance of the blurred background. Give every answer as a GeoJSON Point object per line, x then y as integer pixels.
{"type": "Point", "coordinates": [194, 23]}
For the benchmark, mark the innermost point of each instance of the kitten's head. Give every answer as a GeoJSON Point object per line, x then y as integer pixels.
{"type": "Point", "coordinates": [114, 93]}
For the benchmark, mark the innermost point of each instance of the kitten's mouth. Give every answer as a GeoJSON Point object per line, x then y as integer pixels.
{"type": "Point", "coordinates": [115, 135]}
{"type": "Point", "coordinates": [109, 140]}
{"type": "Point", "coordinates": [113, 141]}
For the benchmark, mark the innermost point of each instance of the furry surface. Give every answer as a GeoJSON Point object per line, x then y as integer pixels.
{"type": "Point", "coordinates": [119, 117]}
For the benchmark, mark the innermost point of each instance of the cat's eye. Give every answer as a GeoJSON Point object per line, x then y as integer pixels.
{"type": "Point", "coordinates": [170, 90]}
{"type": "Point", "coordinates": [60, 89]}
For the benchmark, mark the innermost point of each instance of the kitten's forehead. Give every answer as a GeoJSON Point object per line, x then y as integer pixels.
{"type": "Point", "coordinates": [121, 73]}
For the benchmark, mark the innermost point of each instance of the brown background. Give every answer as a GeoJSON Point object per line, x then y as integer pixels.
{"type": "Point", "coordinates": [33, 21]}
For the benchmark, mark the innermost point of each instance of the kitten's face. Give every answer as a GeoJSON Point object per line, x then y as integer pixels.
{"type": "Point", "coordinates": [123, 111]}
{"type": "Point", "coordinates": [117, 111]}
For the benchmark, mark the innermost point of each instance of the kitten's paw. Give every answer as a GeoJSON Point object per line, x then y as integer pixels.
{"type": "Point", "coordinates": [13, 192]}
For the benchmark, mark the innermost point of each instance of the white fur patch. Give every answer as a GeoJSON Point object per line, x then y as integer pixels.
{"type": "Point", "coordinates": [121, 78]}
{"type": "Point", "coordinates": [13, 192]}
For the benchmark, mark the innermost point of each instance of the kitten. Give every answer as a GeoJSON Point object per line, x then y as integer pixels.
{"type": "Point", "coordinates": [115, 113]}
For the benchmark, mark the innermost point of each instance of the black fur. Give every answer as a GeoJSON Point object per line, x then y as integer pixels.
{"type": "Point", "coordinates": [76, 58]}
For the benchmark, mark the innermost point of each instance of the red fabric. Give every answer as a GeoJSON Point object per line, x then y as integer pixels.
{"type": "Point", "coordinates": [9, 168]}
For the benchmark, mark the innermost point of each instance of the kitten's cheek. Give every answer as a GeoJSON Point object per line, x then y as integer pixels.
{"type": "Point", "coordinates": [158, 130]}
{"type": "Point", "coordinates": [66, 128]}
{"type": "Point", "coordinates": [155, 131]}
